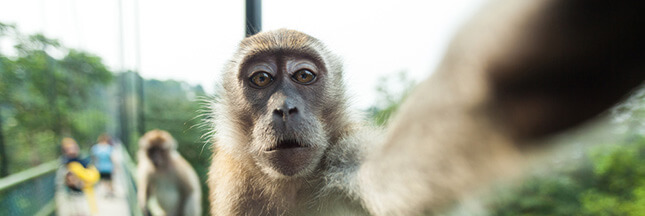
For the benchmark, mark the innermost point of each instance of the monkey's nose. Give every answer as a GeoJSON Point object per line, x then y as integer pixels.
{"type": "Point", "coordinates": [285, 112]}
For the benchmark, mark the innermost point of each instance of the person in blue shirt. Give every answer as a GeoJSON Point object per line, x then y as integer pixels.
{"type": "Point", "coordinates": [102, 156]}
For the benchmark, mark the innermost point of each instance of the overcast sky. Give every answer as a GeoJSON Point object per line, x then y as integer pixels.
{"type": "Point", "coordinates": [190, 40]}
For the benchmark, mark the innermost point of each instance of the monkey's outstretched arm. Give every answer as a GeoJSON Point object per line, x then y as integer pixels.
{"type": "Point", "coordinates": [144, 170]}
{"type": "Point", "coordinates": [520, 71]}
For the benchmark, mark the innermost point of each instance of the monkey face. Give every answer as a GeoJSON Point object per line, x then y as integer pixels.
{"type": "Point", "coordinates": [282, 103]}
{"type": "Point", "coordinates": [285, 94]}
{"type": "Point", "coordinates": [158, 155]}
{"type": "Point", "coordinates": [157, 145]}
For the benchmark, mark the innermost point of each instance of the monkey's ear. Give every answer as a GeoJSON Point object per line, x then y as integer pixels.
{"type": "Point", "coordinates": [571, 63]}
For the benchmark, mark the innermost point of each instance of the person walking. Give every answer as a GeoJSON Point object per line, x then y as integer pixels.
{"type": "Point", "coordinates": [102, 159]}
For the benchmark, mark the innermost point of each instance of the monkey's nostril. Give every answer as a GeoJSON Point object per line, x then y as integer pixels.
{"type": "Point", "coordinates": [278, 112]}
{"type": "Point", "coordinates": [293, 111]}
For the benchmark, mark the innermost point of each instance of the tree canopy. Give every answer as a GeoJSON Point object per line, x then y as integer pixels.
{"type": "Point", "coordinates": [44, 97]}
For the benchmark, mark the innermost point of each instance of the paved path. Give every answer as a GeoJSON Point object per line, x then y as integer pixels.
{"type": "Point", "coordinates": [69, 204]}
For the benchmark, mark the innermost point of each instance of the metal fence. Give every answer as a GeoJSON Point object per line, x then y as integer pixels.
{"type": "Point", "coordinates": [33, 191]}
{"type": "Point", "coordinates": [30, 192]}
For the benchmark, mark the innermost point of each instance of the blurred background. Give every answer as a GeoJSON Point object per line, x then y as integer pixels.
{"type": "Point", "coordinates": [83, 68]}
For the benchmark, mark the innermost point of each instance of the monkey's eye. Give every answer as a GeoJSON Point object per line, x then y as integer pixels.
{"type": "Point", "coordinates": [261, 79]}
{"type": "Point", "coordinates": [304, 76]}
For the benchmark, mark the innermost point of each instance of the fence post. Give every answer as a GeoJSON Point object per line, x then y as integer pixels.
{"type": "Point", "coordinates": [141, 105]}
{"type": "Point", "coordinates": [4, 161]}
{"type": "Point", "coordinates": [123, 113]}
{"type": "Point", "coordinates": [253, 17]}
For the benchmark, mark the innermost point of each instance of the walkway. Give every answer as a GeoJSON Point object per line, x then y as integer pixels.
{"type": "Point", "coordinates": [75, 204]}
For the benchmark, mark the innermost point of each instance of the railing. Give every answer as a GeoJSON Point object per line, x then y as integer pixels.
{"type": "Point", "coordinates": [30, 192]}
{"type": "Point", "coordinates": [130, 173]}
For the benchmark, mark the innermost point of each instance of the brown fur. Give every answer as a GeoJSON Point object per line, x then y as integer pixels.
{"type": "Point", "coordinates": [234, 173]}
{"type": "Point", "coordinates": [171, 180]}
{"type": "Point", "coordinates": [520, 71]}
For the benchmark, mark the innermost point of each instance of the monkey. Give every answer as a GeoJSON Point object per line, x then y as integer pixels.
{"type": "Point", "coordinates": [285, 142]}
{"type": "Point", "coordinates": [277, 116]}
{"type": "Point", "coordinates": [280, 112]}
{"type": "Point", "coordinates": [164, 174]}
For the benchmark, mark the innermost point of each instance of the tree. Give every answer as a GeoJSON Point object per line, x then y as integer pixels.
{"type": "Point", "coordinates": [43, 98]}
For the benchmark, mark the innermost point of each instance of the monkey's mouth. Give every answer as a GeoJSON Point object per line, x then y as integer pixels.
{"type": "Point", "coordinates": [287, 144]}
{"type": "Point", "coordinates": [291, 157]}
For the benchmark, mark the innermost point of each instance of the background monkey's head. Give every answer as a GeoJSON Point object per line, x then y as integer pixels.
{"type": "Point", "coordinates": [283, 100]}
{"type": "Point", "coordinates": [157, 144]}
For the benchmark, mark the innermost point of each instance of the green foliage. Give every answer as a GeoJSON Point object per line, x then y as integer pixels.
{"type": "Point", "coordinates": [610, 182]}
{"type": "Point", "coordinates": [43, 98]}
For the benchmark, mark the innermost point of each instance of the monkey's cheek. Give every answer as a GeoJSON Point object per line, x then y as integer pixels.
{"type": "Point", "coordinates": [293, 161]}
